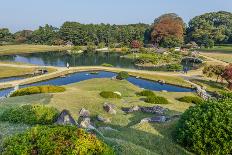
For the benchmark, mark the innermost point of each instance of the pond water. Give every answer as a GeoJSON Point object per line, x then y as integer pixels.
{"type": "Point", "coordinates": [85, 59]}
{"type": "Point", "coordinates": [11, 79]}
{"type": "Point", "coordinates": [81, 76]}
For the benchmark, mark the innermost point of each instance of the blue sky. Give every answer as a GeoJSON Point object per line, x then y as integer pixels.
{"type": "Point", "coordinates": [29, 14]}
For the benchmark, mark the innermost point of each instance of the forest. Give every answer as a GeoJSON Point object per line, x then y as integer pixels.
{"type": "Point", "coordinates": [168, 30]}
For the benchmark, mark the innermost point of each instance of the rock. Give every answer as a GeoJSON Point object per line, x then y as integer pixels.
{"type": "Point", "coordinates": [156, 119]}
{"type": "Point", "coordinates": [65, 118]}
{"type": "Point", "coordinates": [116, 92]}
{"type": "Point", "coordinates": [109, 108]}
{"type": "Point", "coordinates": [164, 91]}
{"type": "Point", "coordinates": [107, 128]}
{"type": "Point", "coordinates": [85, 123]}
{"type": "Point", "coordinates": [84, 113]}
{"type": "Point", "coordinates": [155, 110]}
{"type": "Point", "coordinates": [102, 119]}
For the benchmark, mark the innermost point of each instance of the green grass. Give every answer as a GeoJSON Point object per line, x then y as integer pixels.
{"type": "Point", "coordinates": [210, 85]}
{"type": "Point", "coordinates": [132, 137]}
{"type": "Point", "coordinates": [219, 49]}
{"type": "Point", "coordinates": [17, 49]}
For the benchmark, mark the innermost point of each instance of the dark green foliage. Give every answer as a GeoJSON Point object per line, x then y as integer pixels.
{"type": "Point", "coordinates": [146, 93]}
{"type": "Point", "coordinates": [55, 140]}
{"type": "Point", "coordinates": [191, 99]}
{"type": "Point", "coordinates": [30, 114]}
{"type": "Point", "coordinates": [226, 94]}
{"type": "Point", "coordinates": [109, 94]}
{"type": "Point", "coordinates": [106, 65]}
{"type": "Point", "coordinates": [174, 67]}
{"type": "Point", "coordinates": [37, 90]}
{"type": "Point", "coordinates": [122, 75]}
{"type": "Point", "coordinates": [206, 128]}
{"type": "Point", "coordinates": [156, 100]}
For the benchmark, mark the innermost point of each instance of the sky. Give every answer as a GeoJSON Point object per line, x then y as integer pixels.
{"type": "Point", "coordinates": [29, 14]}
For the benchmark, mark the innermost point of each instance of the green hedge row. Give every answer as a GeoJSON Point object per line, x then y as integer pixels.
{"type": "Point", "coordinates": [37, 90]}
{"type": "Point", "coordinates": [156, 100]}
{"type": "Point", "coordinates": [146, 93]}
{"type": "Point", "coordinates": [55, 140]}
{"type": "Point", "coordinates": [30, 114]}
{"type": "Point", "coordinates": [191, 99]}
{"type": "Point", "coordinates": [109, 94]}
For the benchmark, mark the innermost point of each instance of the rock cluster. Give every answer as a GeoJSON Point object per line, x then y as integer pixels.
{"type": "Point", "coordinates": [110, 108]}
{"type": "Point", "coordinates": [154, 110]}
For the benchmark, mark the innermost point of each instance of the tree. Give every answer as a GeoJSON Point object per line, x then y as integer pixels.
{"type": "Point", "coordinates": [5, 35]}
{"type": "Point", "coordinates": [210, 28]}
{"type": "Point", "coordinates": [23, 36]}
{"type": "Point", "coordinates": [227, 75]}
{"type": "Point", "coordinates": [168, 30]}
{"type": "Point", "coordinates": [212, 70]}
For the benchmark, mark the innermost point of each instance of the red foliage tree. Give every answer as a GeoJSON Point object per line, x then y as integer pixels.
{"type": "Point", "coordinates": [135, 44]}
{"type": "Point", "coordinates": [167, 26]}
{"type": "Point", "coordinates": [227, 75]}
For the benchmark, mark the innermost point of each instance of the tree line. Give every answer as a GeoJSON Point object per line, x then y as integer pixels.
{"type": "Point", "coordinates": [168, 30]}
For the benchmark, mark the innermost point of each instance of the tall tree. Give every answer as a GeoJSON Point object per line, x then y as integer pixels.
{"type": "Point", "coordinates": [168, 30]}
{"type": "Point", "coordinates": [5, 35]}
{"type": "Point", "coordinates": [211, 28]}
{"type": "Point", "coordinates": [23, 36]}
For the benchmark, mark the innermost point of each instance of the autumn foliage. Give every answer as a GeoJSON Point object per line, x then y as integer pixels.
{"type": "Point", "coordinates": [135, 44]}
{"type": "Point", "coordinates": [227, 75]}
{"type": "Point", "coordinates": [166, 27]}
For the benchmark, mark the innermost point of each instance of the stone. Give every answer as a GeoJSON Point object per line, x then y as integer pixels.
{"type": "Point", "coordinates": [102, 119]}
{"type": "Point", "coordinates": [156, 119]}
{"type": "Point", "coordinates": [155, 110]}
{"type": "Point", "coordinates": [109, 108]}
{"type": "Point", "coordinates": [164, 91]}
{"type": "Point", "coordinates": [84, 113]}
{"type": "Point", "coordinates": [85, 123]}
{"type": "Point", "coordinates": [107, 128]}
{"type": "Point", "coordinates": [65, 118]}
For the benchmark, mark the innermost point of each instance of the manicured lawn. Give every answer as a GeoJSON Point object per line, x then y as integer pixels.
{"type": "Point", "coordinates": [17, 49]}
{"type": "Point", "coordinates": [226, 57]}
{"type": "Point", "coordinates": [17, 71]}
{"type": "Point", "coordinates": [219, 49]}
{"type": "Point", "coordinates": [131, 137]}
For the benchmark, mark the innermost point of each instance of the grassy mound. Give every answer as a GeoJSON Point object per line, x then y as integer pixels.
{"type": "Point", "coordinates": [55, 140]}
{"type": "Point", "coordinates": [146, 93]}
{"type": "Point", "coordinates": [37, 90]}
{"type": "Point", "coordinates": [191, 99]}
{"type": "Point", "coordinates": [156, 100]}
{"type": "Point", "coordinates": [206, 128]}
{"type": "Point", "coordinates": [122, 75]}
{"type": "Point", "coordinates": [30, 114]}
{"type": "Point", "coordinates": [106, 65]}
{"type": "Point", "coordinates": [109, 94]}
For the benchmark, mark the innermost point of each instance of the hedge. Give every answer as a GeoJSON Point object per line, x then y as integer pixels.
{"type": "Point", "coordinates": [156, 100]}
{"type": "Point", "coordinates": [30, 114]}
{"type": "Point", "coordinates": [191, 99]}
{"type": "Point", "coordinates": [146, 93]}
{"type": "Point", "coordinates": [109, 94]}
{"type": "Point", "coordinates": [122, 75]}
{"type": "Point", "coordinates": [206, 128]}
{"type": "Point", "coordinates": [37, 90]}
{"type": "Point", "coordinates": [55, 140]}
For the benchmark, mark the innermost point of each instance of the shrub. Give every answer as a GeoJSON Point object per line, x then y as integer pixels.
{"type": "Point", "coordinates": [146, 93]}
{"type": "Point", "coordinates": [30, 114]}
{"type": "Point", "coordinates": [55, 140]}
{"type": "Point", "coordinates": [37, 90]}
{"type": "Point", "coordinates": [226, 94]}
{"type": "Point", "coordinates": [191, 99]}
{"type": "Point", "coordinates": [106, 65]}
{"type": "Point", "coordinates": [174, 67]}
{"type": "Point", "coordinates": [156, 100]}
{"type": "Point", "coordinates": [109, 94]}
{"type": "Point", "coordinates": [122, 75]}
{"type": "Point", "coordinates": [206, 128]}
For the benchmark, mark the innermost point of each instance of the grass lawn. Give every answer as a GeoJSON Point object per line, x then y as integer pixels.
{"type": "Point", "coordinates": [226, 57]}
{"type": "Point", "coordinates": [131, 137]}
{"type": "Point", "coordinates": [17, 49]}
{"type": "Point", "coordinates": [17, 71]}
{"type": "Point", "coordinates": [219, 49]}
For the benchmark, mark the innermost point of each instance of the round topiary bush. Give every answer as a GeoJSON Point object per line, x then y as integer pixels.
{"type": "Point", "coordinates": [55, 140]}
{"type": "Point", "coordinates": [109, 94]}
{"type": "Point", "coordinates": [191, 99]}
{"type": "Point", "coordinates": [146, 93]}
{"type": "Point", "coordinates": [122, 75]}
{"type": "Point", "coordinates": [156, 100]}
{"type": "Point", "coordinates": [207, 128]}
{"type": "Point", "coordinates": [30, 114]}
{"type": "Point", "coordinates": [37, 90]}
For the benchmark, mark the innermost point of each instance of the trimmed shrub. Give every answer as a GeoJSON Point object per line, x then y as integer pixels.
{"type": "Point", "coordinates": [106, 65]}
{"type": "Point", "coordinates": [156, 100]}
{"type": "Point", "coordinates": [37, 90]}
{"type": "Point", "coordinates": [191, 99]}
{"type": "Point", "coordinates": [226, 94]}
{"type": "Point", "coordinates": [122, 75]}
{"type": "Point", "coordinates": [174, 67]}
{"type": "Point", "coordinates": [55, 140]}
{"type": "Point", "coordinates": [109, 94]}
{"type": "Point", "coordinates": [30, 114]}
{"type": "Point", "coordinates": [146, 93]}
{"type": "Point", "coordinates": [206, 128]}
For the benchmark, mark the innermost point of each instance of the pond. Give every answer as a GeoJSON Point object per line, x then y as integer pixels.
{"type": "Point", "coordinates": [60, 59]}
{"type": "Point", "coordinates": [81, 76]}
